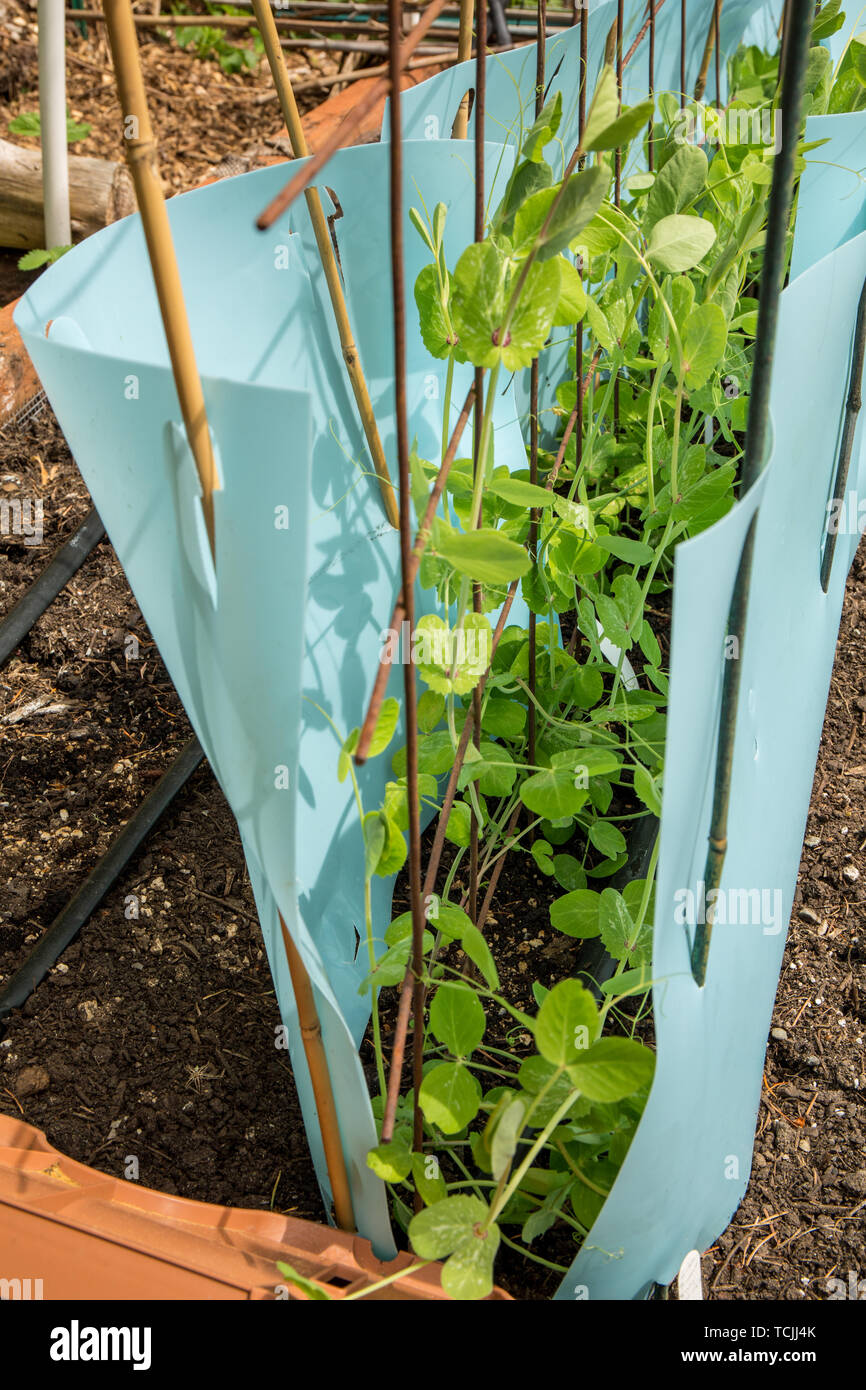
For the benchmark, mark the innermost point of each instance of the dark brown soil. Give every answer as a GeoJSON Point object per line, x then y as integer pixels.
{"type": "Point", "coordinates": [803, 1220]}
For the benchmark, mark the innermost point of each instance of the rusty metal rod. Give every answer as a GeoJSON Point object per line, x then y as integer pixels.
{"type": "Point", "coordinates": [398, 617]}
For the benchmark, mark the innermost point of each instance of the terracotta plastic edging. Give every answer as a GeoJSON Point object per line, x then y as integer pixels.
{"type": "Point", "coordinates": [87, 1236]}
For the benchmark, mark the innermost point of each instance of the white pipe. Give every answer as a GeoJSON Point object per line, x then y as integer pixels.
{"type": "Point", "coordinates": [52, 120]}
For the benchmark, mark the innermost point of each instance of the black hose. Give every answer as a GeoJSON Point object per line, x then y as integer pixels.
{"type": "Point", "coordinates": [44, 590]}
{"type": "Point", "coordinates": [64, 928]}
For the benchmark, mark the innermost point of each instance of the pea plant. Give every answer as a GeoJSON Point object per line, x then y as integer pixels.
{"type": "Point", "coordinates": [548, 742]}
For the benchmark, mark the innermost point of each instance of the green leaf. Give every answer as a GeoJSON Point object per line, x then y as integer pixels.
{"type": "Point", "coordinates": [385, 726]}
{"type": "Point", "coordinates": [375, 832]}
{"type": "Point", "coordinates": [569, 873]}
{"type": "Point", "coordinates": [478, 951]}
{"type": "Point", "coordinates": [459, 826]}
{"type": "Point", "coordinates": [32, 260]}
{"type": "Point", "coordinates": [528, 178]}
{"type": "Point", "coordinates": [437, 339]}
{"type": "Point", "coordinates": [612, 620]}
{"type": "Point", "coordinates": [647, 789]}
{"type": "Point", "coordinates": [439, 1230]}
{"type": "Point", "coordinates": [518, 493]}
{"type": "Point", "coordinates": [503, 1144]}
{"type": "Point", "coordinates": [622, 130]}
{"type": "Point", "coordinates": [604, 107]}
{"type": "Point", "coordinates": [428, 1178]}
{"type": "Point", "coordinates": [450, 1096]}
{"type": "Point", "coordinates": [612, 1068]}
{"type": "Point", "coordinates": [534, 1075]}
{"type": "Point", "coordinates": [431, 710]}
{"type": "Point", "coordinates": [679, 243]}
{"type": "Point", "coordinates": [533, 316]}
{"type": "Point", "coordinates": [567, 1023]}
{"type": "Point", "coordinates": [457, 1018]}
{"type": "Point", "coordinates": [503, 719]}
{"type": "Point", "coordinates": [704, 340]}
{"type": "Point", "coordinates": [543, 129]}
{"type": "Point", "coordinates": [576, 206]}
{"type": "Point", "coordinates": [421, 228]}
{"type": "Point", "coordinates": [571, 306]}
{"type": "Point", "coordinates": [486, 555]}
{"type": "Point", "coordinates": [607, 838]}
{"type": "Point", "coordinates": [390, 1162]}
{"type": "Point", "coordinates": [577, 914]}
{"type": "Point", "coordinates": [618, 931]}
{"type": "Point", "coordinates": [468, 1273]}
{"type": "Point", "coordinates": [300, 1281]}
{"type": "Point", "coordinates": [632, 552]}
{"type": "Point", "coordinates": [677, 184]}
{"type": "Point", "coordinates": [554, 793]}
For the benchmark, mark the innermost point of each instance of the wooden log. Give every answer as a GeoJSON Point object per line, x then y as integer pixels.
{"type": "Point", "coordinates": [100, 191]}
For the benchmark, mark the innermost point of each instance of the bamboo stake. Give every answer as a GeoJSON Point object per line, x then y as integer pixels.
{"type": "Point", "coordinates": [709, 46]}
{"type": "Point", "coordinates": [292, 118]}
{"type": "Point", "coordinates": [347, 127]}
{"type": "Point", "coordinates": [141, 158]}
{"type": "Point", "coordinates": [317, 1061]}
{"type": "Point", "coordinates": [141, 154]}
{"type": "Point", "coordinates": [793, 77]}
{"type": "Point", "coordinates": [464, 52]}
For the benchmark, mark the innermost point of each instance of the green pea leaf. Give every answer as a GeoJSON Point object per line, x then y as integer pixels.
{"type": "Point", "coordinates": [622, 130]}
{"type": "Point", "coordinates": [577, 914]}
{"type": "Point", "coordinates": [428, 1178]}
{"type": "Point", "coordinates": [543, 130]}
{"type": "Point", "coordinates": [457, 1018]}
{"type": "Point", "coordinates": [679, 243]}
{"type": "Point", "coordinates": [604, 107]}
{"type": "Point", "coordinates": [437, 338]}
{"type": "Point", "coordinates": [478, 951]}
{"type": "Point", "coordinates": [439, 1230]}
{"type": "Point", "coordinates": [385, 726]}
{"type": "Point", "coordinates": [554, 793]}
{"type": "Point", "coordinates": [390, 1162]}
{"type": "Point", "coordinates": [704, 339]}
{"type": "Point", "coordinates": [450, 1096]}
{"type": "Point", "coordinates": [567, 1023]}
{"type": "Point", "coordinates": [576, 206]}
{"type": "Point", "coordinates": [612, 1068]}
{"type": "Point", "coordinates": [677, 184]}
{"type": "Point", "coordinates": [606, 838]}
{"type": "Point", "coordinates": [571, 306]}
{"type": "Point", "coordinates": [486, 555]}
{"type": "Point", "coordinates": [518, 493]}
{"type": "Point", "coordinates": [503, 1143]}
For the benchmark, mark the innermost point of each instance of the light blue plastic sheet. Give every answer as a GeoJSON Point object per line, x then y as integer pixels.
{"type": "Point", "coordinates": [833, 180]}
{"type": "Point", "coordinates": [289, 629]}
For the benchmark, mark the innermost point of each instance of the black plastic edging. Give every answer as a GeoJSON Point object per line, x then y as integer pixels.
{"type": "Point", "coordinates": [87, 898]}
